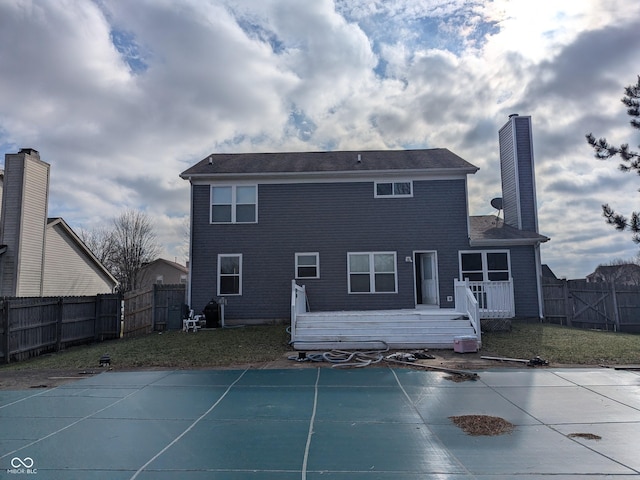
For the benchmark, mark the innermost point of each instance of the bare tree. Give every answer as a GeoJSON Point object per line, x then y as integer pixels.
{"type": "Point", "coordinates": [101, 243]}
{"type": "Point", "coordinates": [125, 247]}
{"type": "Point", "coordinates": [134, 245]}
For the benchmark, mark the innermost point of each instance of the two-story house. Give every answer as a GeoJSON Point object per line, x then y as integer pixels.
{"type": "Point", "coordinates": [363, 231]}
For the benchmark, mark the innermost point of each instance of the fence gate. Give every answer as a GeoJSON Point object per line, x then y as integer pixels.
{"type": "Point", "coordinates": [601, 306]}
{"type": "Point", "coordinates": [159, 307]}
{"type": "Point", "coordinates": [592, 307]}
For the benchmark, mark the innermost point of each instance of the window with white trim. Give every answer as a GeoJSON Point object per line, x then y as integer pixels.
{"type": "Point", "coordinates": [229, 274]}
{"type": "Point", "coordinates": [372, 272]}
{"type": "Point", "coordinates": [234, 204]}
{"type": "Point", "coordinates": [489, 265]}
{"type": "Point", "coordinates": [308, 265]}
{"type": "Point", "coordinates": [393, 189]}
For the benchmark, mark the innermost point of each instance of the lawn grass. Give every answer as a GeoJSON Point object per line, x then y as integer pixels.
{"type": "Point", "coordinates": [175, 349]}
{"type": "Point", "coordinates": [256, 344]}
{"type": "Point", "coordinates": [559, 344]}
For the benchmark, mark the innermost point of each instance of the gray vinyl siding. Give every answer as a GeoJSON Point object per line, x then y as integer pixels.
{"type": "Point", "coordinates": [508, 175]}
{"type": "Point", "coordinates": [525, 284]}
{"type": "Point", "coordinates": [523, 272]}
{"type": "Point", "coordinates": [332, 219]}
{"type": "Point", "coordinates": [1, 189]}
{"type": "Point", "coordinates": [518, 183]}
{"type": "Point", "coordinates": [526, 174]}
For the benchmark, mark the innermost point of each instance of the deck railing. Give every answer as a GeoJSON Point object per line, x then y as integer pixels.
{"type": "Point", "coordinates": [466, 302]}
{"type": "Point", "coordinates": [298, 305]}
{"type": "Point", "coordinates": [495, 299]}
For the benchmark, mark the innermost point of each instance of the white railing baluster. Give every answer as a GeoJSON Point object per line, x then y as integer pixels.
{"type": "Point", "coordinates": [495, 298]}
{"type": "Point", "coordinates": [298, 305]}
{"type": "Point", "coordinates": [467, 303]}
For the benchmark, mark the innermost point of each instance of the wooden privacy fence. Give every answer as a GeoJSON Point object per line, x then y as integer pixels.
{"type": "Point", "coordinates": [160, 307]}
{"type": "Point", "coordinates": [32, 326]}
{"type": "Point", "coordinates": [601, 306]}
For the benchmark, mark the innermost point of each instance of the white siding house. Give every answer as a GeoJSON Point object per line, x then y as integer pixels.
{"type": "Point", "coordinates": [70, 269]}
{"type": "Point", "coordinates": [41, 256]}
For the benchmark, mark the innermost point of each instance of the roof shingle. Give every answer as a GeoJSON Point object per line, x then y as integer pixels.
{"type": "Point", "coordinates": [491, 230]}
{"type": "Point", "coordinates": [435, 159]}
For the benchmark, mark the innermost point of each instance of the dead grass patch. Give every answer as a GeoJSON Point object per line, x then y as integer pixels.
{"type": "Point", "coordinates": [477, 425]}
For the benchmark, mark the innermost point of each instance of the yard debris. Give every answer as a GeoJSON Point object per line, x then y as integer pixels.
{"type": "Point", "coordinates": [458, 378]}
{"type": "Point", "coordinates": [342, 358]}
{"type": "Point", "coordinates": [533, 362]}
{"type": "Point", "coordinates": [622, 367]}
{"type": "Point", "coordinates": [423, 355]}
{"type": "Point", "coordinates": [588, 436]}
{"type": "Point", "coordinates": [402, 356]}
{"type": "Point", "coordinates": [462, 373]}
{"type": "Point", "coordinates": [477, 425]}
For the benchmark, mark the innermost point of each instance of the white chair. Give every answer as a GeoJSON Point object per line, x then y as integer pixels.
{"type": "Point", "coordinates": [191, 322]}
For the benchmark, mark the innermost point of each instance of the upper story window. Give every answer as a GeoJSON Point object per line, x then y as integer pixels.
{"type": "Point", "coordinates": [234, 204]}
{"type": "Point", "coordinates": [372, 272]}
{"type": "Point", "coordinates": [308, 265]}
{"type": "Point", "coordinates": [485, 266]}
{"type": "Point", "coordinates": [393, 189]}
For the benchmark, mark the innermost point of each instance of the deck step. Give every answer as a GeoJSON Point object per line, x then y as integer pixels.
{"type": "Point", "coordinates": [397, 329]}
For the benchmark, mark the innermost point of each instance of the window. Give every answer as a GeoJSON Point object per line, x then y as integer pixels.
{"type": "Point", "coordinates": [234, 204]}
{"type": "Point", "coordinates": [308, 265]}
{"type": "Point", "coordinates": [393, 189]}
{"type": "Point", "coordinates": [372, 272]}
{"type": "Point", "coordinates": [229, 274]}
{"type": "Point", "coordinates": [485, 266]}
{"type": "Point", "coordinates": [159, 280]}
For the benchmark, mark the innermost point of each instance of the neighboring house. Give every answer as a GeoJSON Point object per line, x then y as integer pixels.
{"type": "Point", "coordinates": [41, 256]}
{"type": "Point", "coordinates": [627, 274]}
{"type": "Point", "coordinates": [548, 273]}
{"type": "Point", "coordinates": [161, 271]}
{"type": "Point", "coordinates": [362, 230]}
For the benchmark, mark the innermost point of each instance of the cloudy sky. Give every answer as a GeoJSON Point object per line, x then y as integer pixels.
{"type": "Point", "coordinates": [121, 96]}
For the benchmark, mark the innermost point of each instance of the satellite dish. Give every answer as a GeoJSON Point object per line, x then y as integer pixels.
{"type": "Point", "coordinates": [497, 203]}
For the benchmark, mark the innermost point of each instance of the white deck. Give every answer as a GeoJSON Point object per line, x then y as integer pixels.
{"type": "Point", "coordinates": [403, 329]}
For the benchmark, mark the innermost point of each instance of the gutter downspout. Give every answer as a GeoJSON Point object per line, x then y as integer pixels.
{"type": "Point", "coordinates": [190, 262]}
{"type": "Point", "coordinates": [538, 261]}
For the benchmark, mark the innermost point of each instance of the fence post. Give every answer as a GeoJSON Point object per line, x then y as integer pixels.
{"type": "Point", "coordinates": [97, 322]}
{"type": "Point", "coordinates": [4, 321]}
{"type": "Point", "coordinates": [59, 324]}
{"type": "Point", "coordinates": [568, 302]}
{"type": "Point", "coordinates": [154, 299]}
{"type": "Point", "coordinates": [616, 315]}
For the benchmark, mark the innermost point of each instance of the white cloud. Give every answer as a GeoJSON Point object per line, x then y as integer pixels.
{"type": "Point", "coordinates": [120, 97]}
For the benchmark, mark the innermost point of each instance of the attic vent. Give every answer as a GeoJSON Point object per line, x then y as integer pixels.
{"type": "Point", "coordinates": [210, 160]}
{"type": "Point", "coordinates": [359, 158]}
